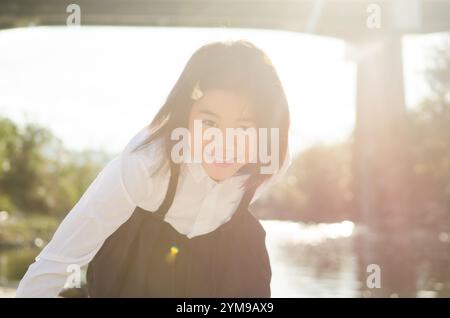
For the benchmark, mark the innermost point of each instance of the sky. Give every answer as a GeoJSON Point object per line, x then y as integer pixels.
{"type": "Point", "coordinates": [96, 87]}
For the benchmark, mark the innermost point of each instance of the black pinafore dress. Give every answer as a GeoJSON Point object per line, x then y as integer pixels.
{"type": "Point", "coordinates": [147, 257]}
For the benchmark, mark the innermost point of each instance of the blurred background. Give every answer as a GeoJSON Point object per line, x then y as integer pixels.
{"type": "Point", "coordinates": [369, 91]}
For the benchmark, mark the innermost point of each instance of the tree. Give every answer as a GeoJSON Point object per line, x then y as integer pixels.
{"type": "Point", "coordinates": [38, 175]}
{"type": "Point", "coordinates": [430, 148]}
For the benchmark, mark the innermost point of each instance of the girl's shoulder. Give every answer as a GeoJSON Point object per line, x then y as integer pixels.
{"type": "Point", "coordinates": [145, 170]}
{"type": "Point", "coordinates": [143, 134]}
{"type": "Point", "coordinates": [151, 155]}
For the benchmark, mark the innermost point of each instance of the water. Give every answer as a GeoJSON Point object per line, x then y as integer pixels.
{"type": "Point", "coordinates": [320, 260]}
{"type": "Point", "coordinates": [312, 260]}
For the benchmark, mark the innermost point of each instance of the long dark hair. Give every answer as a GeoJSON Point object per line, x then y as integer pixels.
{"type": "Point", "coordinates": [236, 66]}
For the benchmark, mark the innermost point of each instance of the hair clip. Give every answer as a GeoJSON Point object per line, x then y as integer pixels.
{"type": "Point", "coordinates": [196, 92]}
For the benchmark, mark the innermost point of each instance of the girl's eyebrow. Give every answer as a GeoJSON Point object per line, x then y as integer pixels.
{"type": "Point", "coordinates": [241, 119]}
{"type": "Point", "coordinates": [208, 112]}
{"type": "Point", "coordinates": [249, 119]}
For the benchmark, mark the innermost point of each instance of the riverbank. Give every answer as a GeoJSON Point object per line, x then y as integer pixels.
{"type": "Point", "coordinates": [26, 231]}
{"type": "Point", "coordinates": [6, 292]}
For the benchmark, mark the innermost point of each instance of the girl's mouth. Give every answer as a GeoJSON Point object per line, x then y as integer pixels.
{"type": "Point", "coordinates": [223, 164]}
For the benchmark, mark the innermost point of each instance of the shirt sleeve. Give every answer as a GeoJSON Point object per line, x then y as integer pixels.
{"type": "Point", "coordinates": [107, 203]}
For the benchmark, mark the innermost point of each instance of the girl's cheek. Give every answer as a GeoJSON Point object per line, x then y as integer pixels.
{"type": "Point", "coordinates": [204, 144]}
{"type": "Point", "coordinates": [249, 150]}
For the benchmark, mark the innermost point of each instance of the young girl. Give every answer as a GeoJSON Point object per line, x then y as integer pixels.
{"type": "Point", "coordinates": [149, 226]}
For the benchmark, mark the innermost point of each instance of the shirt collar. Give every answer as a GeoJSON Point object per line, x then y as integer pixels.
{"type": "Point", "coordinates": [199, 174]}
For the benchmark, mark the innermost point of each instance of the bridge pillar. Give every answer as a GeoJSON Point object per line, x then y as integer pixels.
{"type": "Point", "coordinates": [381, 167]}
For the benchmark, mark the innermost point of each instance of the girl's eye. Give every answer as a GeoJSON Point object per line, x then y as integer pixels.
{"type": "Point", "coordinates": [210, 123]}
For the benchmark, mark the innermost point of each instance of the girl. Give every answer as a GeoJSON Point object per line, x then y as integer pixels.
{"type": "Point", "coordinates": [151, 227]}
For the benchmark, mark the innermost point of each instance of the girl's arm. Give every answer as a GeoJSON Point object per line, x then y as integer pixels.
{"type": "Point", "coordinates": [107, 203]}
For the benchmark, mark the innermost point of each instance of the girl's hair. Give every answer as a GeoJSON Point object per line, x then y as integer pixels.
{"type": "Point", "coordinates": [236, 66]}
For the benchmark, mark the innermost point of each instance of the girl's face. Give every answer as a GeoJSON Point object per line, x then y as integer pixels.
{"type": "Point", "coordinates": [222, 110]}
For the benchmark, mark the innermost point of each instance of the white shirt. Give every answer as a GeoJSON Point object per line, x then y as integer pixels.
{"type": "Point", "coordinates": [127, 181]}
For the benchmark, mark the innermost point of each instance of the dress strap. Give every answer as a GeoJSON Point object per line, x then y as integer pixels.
{"type": "Point", "coordinates": [245, 201]}
{"type": "Point", "coordinates": [171, 189]}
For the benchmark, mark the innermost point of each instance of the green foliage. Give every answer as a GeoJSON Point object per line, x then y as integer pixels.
{"type": "Point", "coordinates": [25, 230]}
{"type": "Point", "coordinates": [316, 188]}
{"type": "Point", "coordinates": [38, 175]}
{"type": "Point", "coordinates": [429, 126]}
